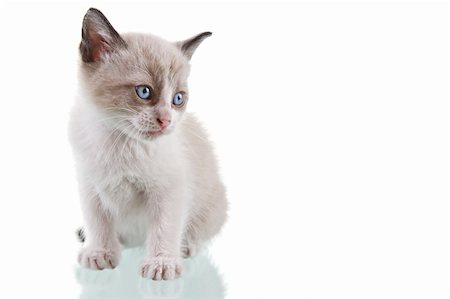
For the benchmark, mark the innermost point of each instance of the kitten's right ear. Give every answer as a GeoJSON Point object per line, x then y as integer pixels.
{"type": "Point", "coordinates": [98, 36]}
{"type": "Point", "coordinates": [189, 46]}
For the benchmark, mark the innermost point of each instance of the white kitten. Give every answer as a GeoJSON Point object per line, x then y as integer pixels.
{"type": "Point", "coordinates": [147, 173]}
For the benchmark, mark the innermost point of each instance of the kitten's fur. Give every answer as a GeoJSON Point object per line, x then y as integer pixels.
{"type": "Point", "coordinates": [140, 184]}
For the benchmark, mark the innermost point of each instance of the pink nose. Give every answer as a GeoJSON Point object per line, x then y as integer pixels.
{"type": "Point", "coordinates": [163, 122]}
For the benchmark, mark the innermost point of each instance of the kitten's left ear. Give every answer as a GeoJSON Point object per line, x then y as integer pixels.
{"type": "Point", "coordinates": [98, 36]}
{"type": "Point", "coordinates": [189, 46]}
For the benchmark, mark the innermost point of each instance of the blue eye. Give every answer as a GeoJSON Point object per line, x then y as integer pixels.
{"type": "Point", "coordinates": [178, 99]}
{"type": "Point", "coordinates": [143, 91]}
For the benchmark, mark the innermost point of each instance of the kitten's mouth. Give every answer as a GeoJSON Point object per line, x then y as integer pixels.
{"type": "Point", "coordinates": [150, 134]}
{"type": "Point", "coordinates": [153, 133]}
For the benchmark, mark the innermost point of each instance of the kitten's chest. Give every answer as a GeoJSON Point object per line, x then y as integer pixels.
{"type": "Point", "coordinates": [136, 179]}
{"type": "Point", "coordinates": [126, 192]}
{"type": "Point", "coordinates": [136, 183]}
{"type": "Point", "coordinates": [139, 167]}
{"type": "Point", "coordinates": [127, 185]}
{"type": "Point", "coordinates": [132, 183]}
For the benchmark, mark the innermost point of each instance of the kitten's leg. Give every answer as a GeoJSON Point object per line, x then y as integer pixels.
{"type": "Point", "coordinates": [190, 245]}
{"type": "Point", "coordinates": [102, 248]}
{"type": "Point", "coordinates": [164, 239]}
{"type": "Point", "coordinates": [207, 218]}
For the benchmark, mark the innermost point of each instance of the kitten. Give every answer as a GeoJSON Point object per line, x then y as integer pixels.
{"type": "Point", "coordinates": [147, 173]}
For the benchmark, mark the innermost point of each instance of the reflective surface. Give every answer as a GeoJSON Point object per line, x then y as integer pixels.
{"type": "Point", "coordinates": [200, 279]}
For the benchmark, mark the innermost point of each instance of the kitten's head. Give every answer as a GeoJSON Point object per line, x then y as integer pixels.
{"type": "Point", "coordinates": [138, 82]}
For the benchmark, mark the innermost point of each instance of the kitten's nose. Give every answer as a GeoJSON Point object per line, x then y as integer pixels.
{"type": "Point", "coordinates": [163, 122]}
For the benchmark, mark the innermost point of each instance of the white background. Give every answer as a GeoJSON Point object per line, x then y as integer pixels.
{"type": "Point", "coordinates": [330, 122]}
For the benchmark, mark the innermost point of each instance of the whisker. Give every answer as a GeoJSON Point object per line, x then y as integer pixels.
{"type": "Point", "coordinates": [90, 125]}
{"type": "Point", "coordinates": [115, 143]}
{"type": "Point", "coordinates": [107, 139]}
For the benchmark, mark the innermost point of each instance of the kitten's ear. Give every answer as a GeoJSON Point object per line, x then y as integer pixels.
{"type": "Point", "coordinates": [188, 46]}
{"type": "Point", "coordinates": [98, 36]}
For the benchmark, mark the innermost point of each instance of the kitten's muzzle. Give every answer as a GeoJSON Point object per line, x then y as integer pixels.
{"type": "Point", "coordinates": [163, 122]}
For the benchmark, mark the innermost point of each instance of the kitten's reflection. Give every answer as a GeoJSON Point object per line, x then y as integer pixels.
{"type": "Point", "coordinates": [200, 279]}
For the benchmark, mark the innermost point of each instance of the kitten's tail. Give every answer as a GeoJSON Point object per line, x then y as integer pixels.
{"type": "Point", "coordinates": [80, 235]}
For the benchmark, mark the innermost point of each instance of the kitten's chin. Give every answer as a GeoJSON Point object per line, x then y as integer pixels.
{"type": "Point", "coordinates": [151, 135]}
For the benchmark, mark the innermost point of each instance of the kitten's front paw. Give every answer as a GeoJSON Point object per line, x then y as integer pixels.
{"type": "Point", "coordinates": [161, 267]}
{"type": "Point", "coordinates": [99, 258]}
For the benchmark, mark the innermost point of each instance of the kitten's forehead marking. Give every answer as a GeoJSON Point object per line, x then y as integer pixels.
{"type": "Point", "coordinates": [156, 58]}
{"type": "Point", "coordinates": [166, 77]}
{"type": "Point", "coordinates": [147, 60]}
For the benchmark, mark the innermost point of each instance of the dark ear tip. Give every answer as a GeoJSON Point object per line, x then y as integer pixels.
{"type": "Point", "coordinates": [207, 34]}
{"type": "Point", "coordinates": [94, 12]}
